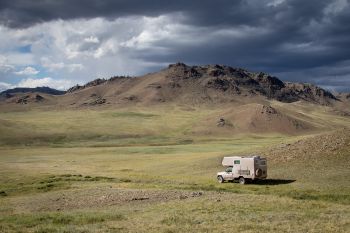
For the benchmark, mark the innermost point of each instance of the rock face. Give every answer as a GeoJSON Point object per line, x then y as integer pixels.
{"type": "Point", "coordinates": [221, 122]}
{"type": "Point", "coordinates": [239, 81]}
{"type": "Point", "coordinates": [97, 101]}
{"type": "Point", "coordinates": [304, 91]}
{"type": "Point", "coordinates": [29, 99]}
{"type": "Point", "coordinates": [268, 110]}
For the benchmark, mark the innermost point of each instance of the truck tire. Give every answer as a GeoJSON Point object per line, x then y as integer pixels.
{"type": "Point", "coordinates": [242, 180]}
{"type": "Point", "coordinates": [220, 179]}
{"type": "Point", "coordinates": [258, 172]}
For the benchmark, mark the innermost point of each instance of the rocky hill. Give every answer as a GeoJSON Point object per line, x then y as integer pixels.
{"type": "Point", "coordinates": [182, 84]}
{"type": "Point", "coordinates": [201, 84]}
{"type": "Point", "coordinates": [329, 144]}
{"type": "Point", "coordinates": [254, 118]}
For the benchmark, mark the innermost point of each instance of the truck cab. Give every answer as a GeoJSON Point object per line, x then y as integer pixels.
{"type": "Point", "coordinates": [243, 169]}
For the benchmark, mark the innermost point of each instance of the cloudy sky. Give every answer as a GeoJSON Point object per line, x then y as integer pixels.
{"type": "Point", "coordinates": [62, 43]}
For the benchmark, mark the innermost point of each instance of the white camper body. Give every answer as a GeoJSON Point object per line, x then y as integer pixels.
{"type": "Point", "coordinates": [243, 169]}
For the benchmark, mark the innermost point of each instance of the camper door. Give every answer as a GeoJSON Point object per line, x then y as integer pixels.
{"type": "Point", "coordinates": [236, 166]}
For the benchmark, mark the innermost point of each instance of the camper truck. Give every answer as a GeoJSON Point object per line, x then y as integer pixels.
{"type": "Point", "coordinates": [243, 169]}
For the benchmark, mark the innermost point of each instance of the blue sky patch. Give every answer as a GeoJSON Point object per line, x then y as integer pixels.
{"type": "Point", "coordinates": [25, 49]}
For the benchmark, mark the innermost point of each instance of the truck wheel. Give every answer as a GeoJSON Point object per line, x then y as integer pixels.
{"type": "Point", "coordinates": [220, 179]}
{"type": "Point", "coordinates": [242, 180]}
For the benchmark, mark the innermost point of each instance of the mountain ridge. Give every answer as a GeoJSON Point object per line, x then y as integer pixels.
{"type": "Point", "coordinates": [224, 79]}
{"type": "Point", "coordinates": [184, 84]}
{"type": "Point", "coordinates": [43, 89]}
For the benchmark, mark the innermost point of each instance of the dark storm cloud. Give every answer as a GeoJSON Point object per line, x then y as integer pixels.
{"type": "Point", "coordinates": [298, 35]}
{"type": "Point", "coordinates": [23, 13]}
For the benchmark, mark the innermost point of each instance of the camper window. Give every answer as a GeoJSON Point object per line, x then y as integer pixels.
{"type": "Point", "coordinates": [237, 162]}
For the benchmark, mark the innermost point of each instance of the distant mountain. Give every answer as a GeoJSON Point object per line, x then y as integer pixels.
{"type": "Point", "coordinates": [197, 84]}
{"type": "Point", "coordinates": [183, 84]}
{"type": "Point", "coordinates": [46, 90]}
{"type": "Point", "coordinates": [239, 101]}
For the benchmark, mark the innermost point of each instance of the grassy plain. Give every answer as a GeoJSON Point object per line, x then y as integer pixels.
{"type": "Point", "coordinates": [143, 170]}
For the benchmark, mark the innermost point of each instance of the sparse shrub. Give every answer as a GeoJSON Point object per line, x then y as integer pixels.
{"type": "Point", "coordinates": [177, 220]}
{"type": "Point", "coordinates": [62, 220]}
{"type": "Point", "coordinates": [3, 194]}
{"type": "Point", "coordinates": [185, 142]}
{"type": "Point", "coordinates": [46, 230]}
{"type": "Point", "coordinates": [125, 180]}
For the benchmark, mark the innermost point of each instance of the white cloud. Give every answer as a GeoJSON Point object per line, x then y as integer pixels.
{"type": "Point", "coordinates": [4, 65]}
{"type": "Point", "coordinates": [4, 86]}
{"type": "Point", "coordinates": [28, 71]}
{"type": "Point", "coordinates": [109, 47]}
{"type": "Point", "coordinates": [20, 59]}
{"type": "Point", "coordinates": [74, 67]}
{"type": "Point", "coordinates": [162, 28]}
{"type": "Point", "coordinates": [52, 66]}
{"type": "Point", "coordinates": [47, 63]}
{"type": "Point", "coordinates": [61, 84]}
{"type": "Point", "coordinates": [81, 50]}
{"type": "Point", "coordinates": [92, 39]}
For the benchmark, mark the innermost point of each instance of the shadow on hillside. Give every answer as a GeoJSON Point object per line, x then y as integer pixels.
{"type": "Point", "coordinates": [273, 182]}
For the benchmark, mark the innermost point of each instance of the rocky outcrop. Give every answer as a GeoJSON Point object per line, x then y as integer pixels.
{"type": "Point", "coordinates": [29, 98]}
{"type": "Point", "coordinates": [96, 82]}
{"type": "Point", "coordinates": [222, 84]}
{"type": "Point", "coordinates": [221, 122]}
{"type": "Point", "coordinates": [268, 110]}
{"type": "Point", "coordinates": [89, 84]}
{"type": "Point", "coordinates": [238, 81]}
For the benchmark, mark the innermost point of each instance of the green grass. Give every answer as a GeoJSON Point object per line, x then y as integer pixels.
{"type": "Point", "coordinates": [58, 222]}
{"type": "Point", "coordinates": [133, 114]}
{"type": "Point", "coordinates": [247, 213]}
{"type": "Point", "coordinates": [89, 128]}
{"type": "Point", "coordinates": [48, 154]}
